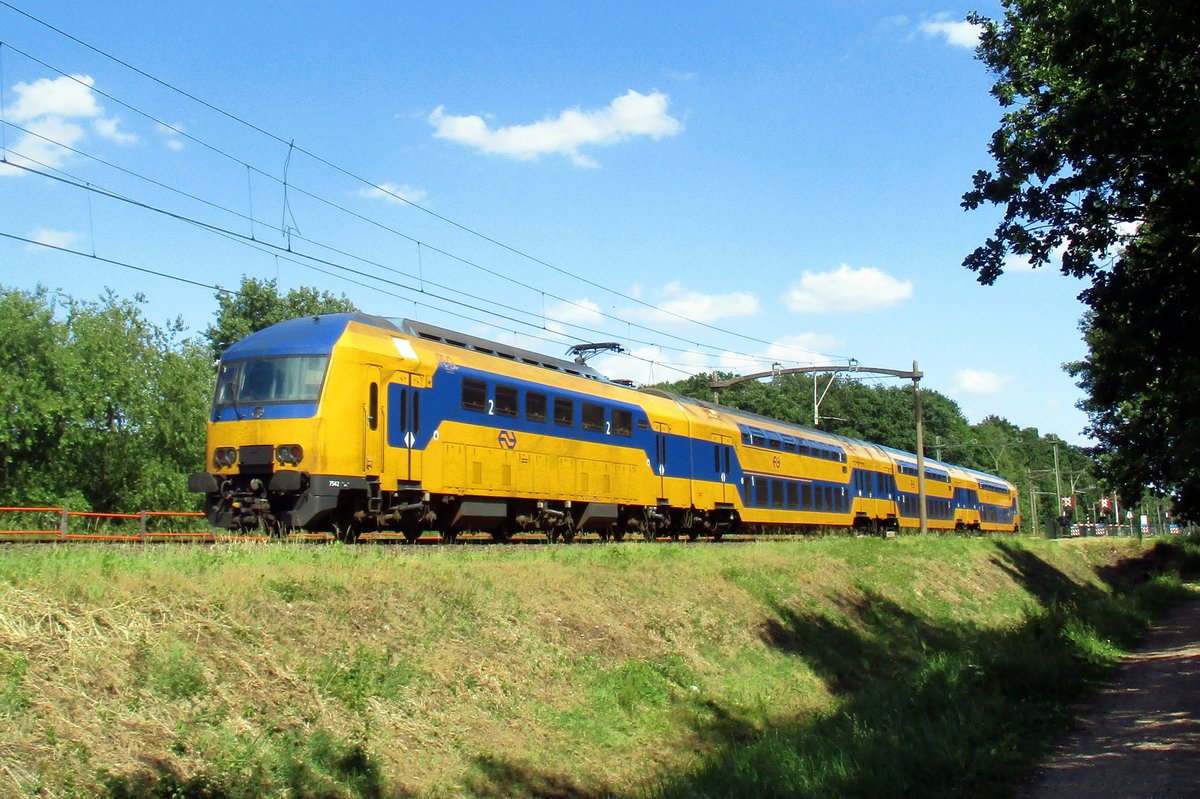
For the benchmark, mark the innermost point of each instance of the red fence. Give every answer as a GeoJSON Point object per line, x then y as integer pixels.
{"type": "Point", "coordinates": [60, 524]}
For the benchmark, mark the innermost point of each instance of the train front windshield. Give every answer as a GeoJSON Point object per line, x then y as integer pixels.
{"type": "Point", "coordinates": [256, 381]}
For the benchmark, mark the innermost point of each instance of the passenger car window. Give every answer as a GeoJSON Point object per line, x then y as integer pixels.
{"type": "Point", "coordinates": [506, 401]}
{"type": "Point", "coordinates": [535, 406]}
{"type": "Point", "coordinates": [474, 394]}
{"type": "Point", "coordinates": [564, 412]}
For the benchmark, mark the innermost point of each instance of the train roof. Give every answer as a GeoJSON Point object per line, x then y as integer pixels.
{"type": "Point", "coordinates": [750, 416]}
{"type": "Point", "coordinates": [306, 335]}
{"type": "Point", "coordinates": [316, 335]}
{"type": "Point", "coordinates": [475, 344]}
{"type": "Point", "coordinates": [736, 413]}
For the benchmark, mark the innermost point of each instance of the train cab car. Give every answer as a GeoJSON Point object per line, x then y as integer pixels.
{"type": "Point", "coordinates": [297, 424]}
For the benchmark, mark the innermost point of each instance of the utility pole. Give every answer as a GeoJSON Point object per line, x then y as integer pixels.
{"type": "Point", "coordinates": [1057, 480]}
{"type": "Point", "coordinates": [1032, 504]}
{"type": "Point", "coordinates": [924, 514]}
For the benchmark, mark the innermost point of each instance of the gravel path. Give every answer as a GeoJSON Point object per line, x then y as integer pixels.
{"type": "Point", "coordinates": [1140, 737]}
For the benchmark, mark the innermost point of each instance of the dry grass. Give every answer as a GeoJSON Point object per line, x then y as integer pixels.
{"type": "Point", "coordinates": [569, 671]}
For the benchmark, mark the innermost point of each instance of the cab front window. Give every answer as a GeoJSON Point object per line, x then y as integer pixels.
{"type": "Point", "coordinates": [256, 381]}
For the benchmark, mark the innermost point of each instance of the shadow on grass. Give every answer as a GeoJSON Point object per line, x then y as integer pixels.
{"type": "Point", "coordinates": [939, 710]}
{"type": "Point", "coordinates": [320, 768]}
{"type": "Point", "coordinates": [503, 779]}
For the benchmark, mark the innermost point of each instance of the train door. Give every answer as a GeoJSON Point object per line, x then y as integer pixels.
{"type": "Point", "coordinates": [660, 452]}
{"type": "Point", "coordinates": [722, 464]}
{"type": "Point", "coordinates": [404, 399]}
{"type": "Point", "coordinates": [374, 426]}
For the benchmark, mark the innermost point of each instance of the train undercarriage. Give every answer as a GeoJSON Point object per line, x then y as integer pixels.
{"type": "Point", "coordinates": [351, 506]}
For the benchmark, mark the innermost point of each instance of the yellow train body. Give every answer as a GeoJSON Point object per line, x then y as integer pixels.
{"type": "Point", "coordinates": [352, 423]}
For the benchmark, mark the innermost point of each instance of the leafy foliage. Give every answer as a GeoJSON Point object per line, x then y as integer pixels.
{"type": "Point", "coordinates": [258, 304]}
{"type": "Point", "coordinates": [1096, 159]}
{"type": "Point", "coordinates": [103, 409]}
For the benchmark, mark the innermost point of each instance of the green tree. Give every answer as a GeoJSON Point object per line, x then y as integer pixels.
{"type": "Point", "coordinates": [139, 396]}
{"type": "Point", "coordinates": [258, 304]}
{"type": "Point", "coordinates": [33, 397]}
{"type": "Point", "coordinates": [1097, 162]}
{"type": "Point", "coordinates": [104, 410]}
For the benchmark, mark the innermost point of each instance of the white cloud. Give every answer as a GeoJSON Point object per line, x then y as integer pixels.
{"type": "Point", "coordinates": [170, 134]}
{"type": "Point", "coordinates": [804, 345]}
{"type": "Point", "coordinates": [52, 238]}
{"type": "Point", "coordinates": [694, 306]}
{"type": "Point", "coordinates": [107, 128]}
{"type": "Point", "coordinates": [957, 33]}
{"type": "Point", "coordinates": [51, 112]}
{"type": "Point", "coordinates": [975, 381]}
{"type": "Point", "coordinates": [46, 142]}
{"type": "Point", "coordinates": [632, 114]}
{"type": "Point", "coordinates": [393, 193]}
{"type": "Point", "coordinates": [577, 312]}
{"type": "Point", "coordinates": [846, 289]}
{"type": "Point", "coordinates": [61, 97]}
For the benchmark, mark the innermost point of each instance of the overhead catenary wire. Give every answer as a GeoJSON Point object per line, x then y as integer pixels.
{"type": "Point", "coordinates": [284, 253]}
{"type": "Point", "coordinates": [368, 183]}
{"type": "Point", "coordinates": [233, 235]}
{"type": "Point", "coordinates": [288, 232]}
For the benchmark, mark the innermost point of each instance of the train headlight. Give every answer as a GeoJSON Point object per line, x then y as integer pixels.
{"type": "Point", "coordinates": [224, 456]}
{"type": "Point", "coordinates": [289, 454]}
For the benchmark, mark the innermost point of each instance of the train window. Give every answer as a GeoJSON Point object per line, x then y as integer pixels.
{"type": "Point", "coordinates": [806, 500]}
{"type": "Point", "coordinates": [622, 423]}
{"type": "Point", "coordinates": [829, 498]}
{"type": "Point", "coordinates": [789, 444]}
{"type": "Point", "coordinates": [804, 449]}
{"type": "Point", "coordinates": [793, 496]}
{"type": "Point", "coordinates": [506, 401]}
{"type": "Point", "coordinates": [774, 441]}
{"type": "Point", "coordinates": [717, 458]}
{"type": "Point", "coordinates": [373, 406]}
{"type": "Point", "coordinates": [777, 493]}
{"type": "Point", "coordinates": [416, 411]}
{"type": "Point", "coordinates": [564, 412]}
{"type": "Point", "coordinates": [593, 417]}
{"type": "Point", "coordinates": [474, 394]}
{"type": "Point", "coordinates": [761, 492]}
{"type": "Point", "coordinates": [535, 406]}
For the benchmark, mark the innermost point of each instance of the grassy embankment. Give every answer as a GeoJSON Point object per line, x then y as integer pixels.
{"type": "Point", "coordinates": [836, 667]}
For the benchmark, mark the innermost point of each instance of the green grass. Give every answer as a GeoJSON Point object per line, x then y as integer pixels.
{"type": "Point", "coordinates": [834, 667]}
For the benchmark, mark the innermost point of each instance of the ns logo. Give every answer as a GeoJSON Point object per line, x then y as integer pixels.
{"type": "Point", "coordinates": [507, 439]}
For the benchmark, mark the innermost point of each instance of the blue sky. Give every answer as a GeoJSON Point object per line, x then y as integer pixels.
{"type": "Point", "coordinates": [713, 185]}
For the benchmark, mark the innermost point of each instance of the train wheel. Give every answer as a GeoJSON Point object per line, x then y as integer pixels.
{"type": "Point", "coordinates": [502, 534]}
{"type": "Point", "coordinates": [618, 534]}
{"type": "Point", "coordinates": [448, 537]}
{"type": "Point", "coordinates": [412, 535]}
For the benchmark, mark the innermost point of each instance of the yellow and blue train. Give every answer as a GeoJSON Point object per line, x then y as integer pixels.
{"type": "Point", "coordinates": [353, 423]}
